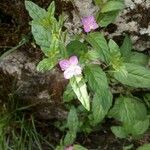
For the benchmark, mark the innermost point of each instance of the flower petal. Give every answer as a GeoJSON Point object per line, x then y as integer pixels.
{"type": "Point", "coordinates": [64, 64]}
{"type": "Point", "coordinates": [89, 23]}
{"type": "Point", "coordinates": [68, 73]}
{"type": "Point", "coordinates": [73, 60]}
{"type": "Point", "coordinates": [95, 26]}
{"type": "Point", "coordinates": [77, 70]}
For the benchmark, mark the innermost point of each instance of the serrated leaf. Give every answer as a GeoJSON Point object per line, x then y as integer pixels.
{"type": "Point", "coordinates": [144, 147]}
{"type": "Point", "coordinates": [112, 6]}
{"type": "Point", "coordinates": [35, 11]}
{"type": "Point", "coordinates": [126, 47]}
{"type": "Point", "coordinates": [69, 94]}
{"type": "Point", "coordinates": [138, 58]}
{"type": "Point", "coordinates": [76, 48]}
{"type": "Point", "coordinates": [79, 147]}
{"type": "Point", "coordinates": [46, 64]}
{"type": "Point", "coordinates": [137, 76]}
{"type": "Point", "coordinates": [99, 43]}
{"type": "Point", "coordinates": [72, 121]}
{"type": "Point", "coordinates": [79, 87]}
{"type": "Point", "coordinates": [104, 19]}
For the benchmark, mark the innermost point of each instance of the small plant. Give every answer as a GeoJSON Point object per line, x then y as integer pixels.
{"type": "Point", "coordinates": [94, 67]}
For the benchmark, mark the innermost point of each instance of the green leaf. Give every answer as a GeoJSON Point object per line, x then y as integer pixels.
{"type": "Point", "coordinates": [102, 100]}
{"type": "Point", "coordinates": [119, 131]}
{"type": "Point", "coordinates": [46, 64]}
{"type": "Point", "coordinates": [134, 122]}
{"type": "Point", "coordinates": [144, 147]}
{"type": "Point", "coordinates": [35, 11]}
{"type": "Point", "coordinates": [42, 37]}
{"type": "Point", "coordinates": [76, 48]}
{"type": "Point", "coordinates": [51, 8]}
{"type": "Point", "coordinates": [112, 6]}
{"type": "Point", "coordinates": [136, 76]}
{"type": "Point", "coordinates": [99, 43]}
{"type": "Point", "coordinates": [69, 94]}
{"type": "Point", "coordinates": [72, 121]}
{"type": "Point", "coordinates": [138, 58]}
{"type": "Point", "coordinates": [59, 148]}
{"type": "Point", "coordinates": [126, 109]}
{"type": "Point", "coordinates": [104, 19]}
{"type": "Point", "coordinates": [115, 56]}
{"type": "Point", "coordinates": [69, 138]}
{"type": "Point", "coordinates": [140, 127]}
{"type": "Point", "coordinates": [113, 47]}
{"type": "Point", "coordinates": [92, 55]}
{"type": "Point", "coordinates": [126, 47]}
{"type": "Point", "coordinates": [79, 147]}
{"type": "Point", "coordinates": [100, 105]}
{"type": "Point", "coordinates": [79, 87]}
{"type": "Point", "coordinates": [96, 78]}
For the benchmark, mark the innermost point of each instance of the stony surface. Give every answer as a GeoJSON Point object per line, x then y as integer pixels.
{"type": "Point", "coordinates": [43, 91]}
{"type": "Point", "coordinates": [133, 20]}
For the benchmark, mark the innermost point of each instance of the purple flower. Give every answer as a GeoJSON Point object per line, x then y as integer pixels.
{"type": "Point", "coordinates": [70, 67]}
{"type": "Point", "coordinates": [89, 23]}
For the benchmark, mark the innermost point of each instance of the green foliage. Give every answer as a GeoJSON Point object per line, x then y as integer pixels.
{"type": "Point", "coordinates": [47, 33]}
{"type": "Point", "coordinates": [79, 147]}
{"type": "Point", "coordinates": [132, 114]}
{"type": "Point", "coordinates": [126, 47]}
{"type": "Point", "coordinates": [136, 76]}
{"type": "Point", "coordinates": [102, 100]}
{"type": "Point", "coordinates": [108, 11]}
{"type": "Point", "coordinates": [112, 5]}
{"type": "Point", "coordinates": [115, 63]}
{"type": "Point", "coordinates": [100, 105]}
{"type": "Point", "coordinates": [96, 78]}
{"type": "Point", "coordinates": [115, 56]}
{"type": "Point", "coordinates": [138, 58]}
{"type": "Point", "coordinates": [69, 94]}
{"type": "Point", "coordinates": [99, 43]}
{"type": "Point", "coordinates": [105, 19]}
{"type": "Point", "coordinates": [144, 147]}
{"type": "Point", "coordinates": [76, 48]}
{"type": "Point", "coordinates": [79, 87]}
{"type": "Point", "coordinates": [72, 124]}
{"type": "Point", "coordinates": [46, 64]}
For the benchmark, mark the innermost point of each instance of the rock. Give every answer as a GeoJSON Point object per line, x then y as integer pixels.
{"type": "Point", "coordinates": [41, 91]}
{"type": "Point", "coordinates": [133, 20]}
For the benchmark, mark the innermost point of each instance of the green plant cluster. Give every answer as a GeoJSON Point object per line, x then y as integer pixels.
{"type": "Point", "coordinates": [105, 65]}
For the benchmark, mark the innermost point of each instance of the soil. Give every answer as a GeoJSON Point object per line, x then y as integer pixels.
{"type": "Point", "coordinates": [14, 24]}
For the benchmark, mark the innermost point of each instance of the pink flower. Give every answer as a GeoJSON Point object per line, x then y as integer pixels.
{"type": "Point", "coordinates": [89, 23]}
{"type": "Point", "coordinates": [70, 67]}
